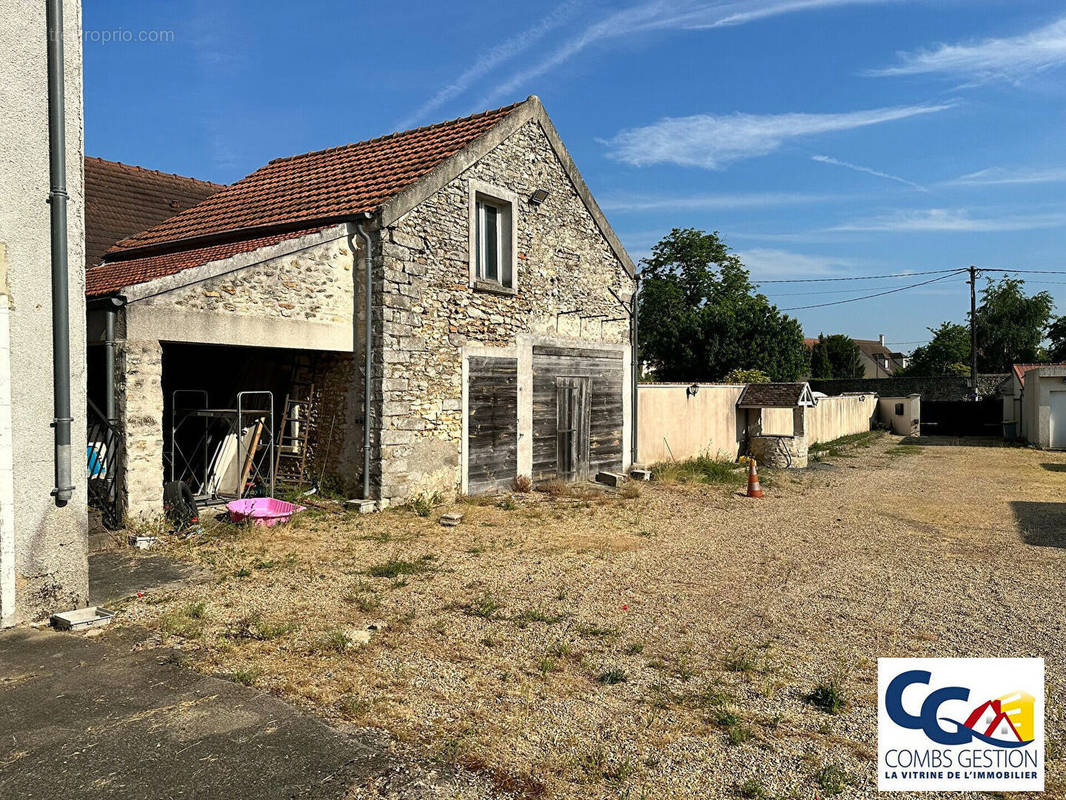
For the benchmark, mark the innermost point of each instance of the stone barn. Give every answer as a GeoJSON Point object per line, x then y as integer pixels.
{"type": "Point", "coordinates": [495, 294]}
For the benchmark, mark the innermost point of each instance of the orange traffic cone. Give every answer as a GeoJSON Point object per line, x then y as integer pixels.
{"type": "Point", "coordinates": [754, 490]}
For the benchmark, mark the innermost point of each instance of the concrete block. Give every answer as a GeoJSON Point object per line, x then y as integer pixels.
{"type": "Point", "coordinates": [638, 474]}
{"type": "Point", "coordinates": [610, 478]}
{"type": "Point", "coordinates": [450, 520]}
{"type": "Point", "coordinates": [363, 506]}
{"type": "Point", "coordinates": [82, 618]}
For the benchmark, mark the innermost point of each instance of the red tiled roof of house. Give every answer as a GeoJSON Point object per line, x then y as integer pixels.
{"type": "Point", "coordinates": [326, 185]}
{"type": "Point", "coordinates": [121, 200]}
{"type": "Point", "coordinates": [113, 276]}
{"type": "Point", "coordinates": [1021, 369]}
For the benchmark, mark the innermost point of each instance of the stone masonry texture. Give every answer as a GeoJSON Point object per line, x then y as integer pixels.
{"type": "Point", "coordinates": [430, 311]}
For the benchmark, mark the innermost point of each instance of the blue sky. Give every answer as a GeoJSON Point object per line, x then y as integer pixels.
{"type": "Point", "coordinates": [821, 138]}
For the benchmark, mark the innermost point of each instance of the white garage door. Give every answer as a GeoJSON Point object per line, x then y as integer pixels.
{"type": "Point", "coordinates": [1058, 419]}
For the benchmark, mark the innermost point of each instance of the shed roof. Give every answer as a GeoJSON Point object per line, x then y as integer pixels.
{"type": "Point", "coordinates": [776, 395]}
{"type": "Point", "coordinates": [292, 196]}
{"type": "Point", "coordinates": [121, 200]}
{"type": "Point", "coordinates": [322, 185]}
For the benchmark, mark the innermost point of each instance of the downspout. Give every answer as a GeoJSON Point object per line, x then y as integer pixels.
{"type": "Point", "coordinates": [57, 198]}
{"type": "Point", "coordinates": [109, 360]}
{"type": "Point", "coordinates": [635, 368]}
{"type": "Point", "coordinates": [367, 355]}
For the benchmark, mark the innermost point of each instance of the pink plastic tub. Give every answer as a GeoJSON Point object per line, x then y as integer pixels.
{"type": "Point", "coordinates": [265, 511]}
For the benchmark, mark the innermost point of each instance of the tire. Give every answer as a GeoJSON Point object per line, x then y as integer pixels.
{"type": "Point", "coordinates": [179, 505]}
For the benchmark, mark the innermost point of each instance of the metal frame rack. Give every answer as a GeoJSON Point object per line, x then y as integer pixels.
{"type": "Point", "coordinates": [218, 425]}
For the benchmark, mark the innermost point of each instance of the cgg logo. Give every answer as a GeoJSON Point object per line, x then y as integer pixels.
{"type": "Point", "coordinates": [1020, 704]}
{"type": "Point", "coordinates": [933, 735]}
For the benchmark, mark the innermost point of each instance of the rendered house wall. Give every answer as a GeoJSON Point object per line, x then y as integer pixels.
{"type": "Point", "coordinates": [43, 561]}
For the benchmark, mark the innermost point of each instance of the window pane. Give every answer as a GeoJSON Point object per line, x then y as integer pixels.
{"type": "Point", "coordinates": [491, 243]}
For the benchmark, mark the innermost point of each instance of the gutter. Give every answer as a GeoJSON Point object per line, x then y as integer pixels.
{"type": "Point", "coordinates": [368, 262]}
{"type": "Point", "coordinates": [57, 199]}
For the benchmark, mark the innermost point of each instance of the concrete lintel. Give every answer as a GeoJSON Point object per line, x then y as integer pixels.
{"type": "Point", "coordinates": [206, 327]}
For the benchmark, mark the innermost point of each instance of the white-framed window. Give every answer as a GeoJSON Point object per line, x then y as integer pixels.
{"type": "Point", "coordinates": [491, 261]}
{"type": "Point", "coordinates": [492, 232]}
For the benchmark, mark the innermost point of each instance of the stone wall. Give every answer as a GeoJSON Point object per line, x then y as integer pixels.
{"type": "Point", "coordinates": [430, 313]}
{"type": "Point", "coordinates": [313, 284]}
{"type": "Point", "coordinates": [930, 388]}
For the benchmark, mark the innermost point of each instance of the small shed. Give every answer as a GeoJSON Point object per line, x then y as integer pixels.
{"type": "Point", "coordinates": [776, 449]}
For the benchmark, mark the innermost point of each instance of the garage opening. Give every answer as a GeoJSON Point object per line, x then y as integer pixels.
{"type": "Point", "coordinates": [962, 417]}
{"type": "Point", "coordinates": [243, 421]}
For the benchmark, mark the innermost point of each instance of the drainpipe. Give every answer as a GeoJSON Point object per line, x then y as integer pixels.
{"type": "Point", "coordinates": [635, 369]}
{"type": "Point", "coordinates": [57, 198]}
{"type": "Point", "coordinates": [367, 356]}
{"type": "Point", "coordinates": [109, 364]}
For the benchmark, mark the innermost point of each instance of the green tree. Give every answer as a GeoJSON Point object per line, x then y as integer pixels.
{"type": "Point", "coordinates": [947, 353]}
{"type": "Point", "coordinates": [821, 367]}
{"type": "Point", "coordinates": [1056, 333]}
{"type": "Point", "coordinates": [700, 317]}
{"type": "Point", "coordinates": [836, 356]}
{"type": "Point", "coordinates": [1010, 325]}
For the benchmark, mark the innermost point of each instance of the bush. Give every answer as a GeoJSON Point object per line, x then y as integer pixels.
{"type": "Point", "coordinates": [833, 779]}
{"type": "Point", "coordinates": [747, 376]}
{"type": "Point", "coordinates": [610, 677]}
{"type": "Point", "coordinates": [829, 695]}
{"type": "Point", "coordinates": [522, 484]}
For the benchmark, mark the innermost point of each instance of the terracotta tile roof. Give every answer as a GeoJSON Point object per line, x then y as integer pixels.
{"type": "Point", "coordinates": [327, 185]}
{"type": "Point", "coordinates": [113, 276]}
{"type": "Point", "coordinates": [1021, 369]}
{"type": "Point", "coordinates": [774, 395]}
{"type": "Point", "coordinates": [121, 200]}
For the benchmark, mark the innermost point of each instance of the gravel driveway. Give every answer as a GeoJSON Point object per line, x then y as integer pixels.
{"type": "Point", "coordinates": [660, 646]}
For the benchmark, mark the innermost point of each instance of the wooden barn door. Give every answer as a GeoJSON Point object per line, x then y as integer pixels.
{"type": "Point", "coordinates": [572, 404]}
{"type": "Point", "coordinates": [492, 423]}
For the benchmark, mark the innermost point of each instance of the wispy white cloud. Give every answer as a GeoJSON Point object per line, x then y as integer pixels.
{"type": "Point", "coordinates": [486, 63]}
{"type": "Point", "coordinates": [767, 262]}
{"type": "Point", "coordinates": [660, 15]}
{"type": "Point", "coordinates": [947, 220]}
{"type": "Point", "coordinates": [868, 170]}
{"type": "Point", "coordinates": [1000, 176]}
{"type": "Point", "coordinates": [1011, 58]}
{"type": "Point", "coordinates": [709, 202]}
{"type": "Point", "coordinates": [713, 141]}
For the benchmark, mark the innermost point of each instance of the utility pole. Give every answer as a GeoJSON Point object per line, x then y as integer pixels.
{"type": "Point", "coordinates": [973, 329]}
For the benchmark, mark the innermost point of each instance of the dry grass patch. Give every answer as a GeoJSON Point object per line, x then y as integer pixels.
{"type": "Point", "coordinates": [508, 636]}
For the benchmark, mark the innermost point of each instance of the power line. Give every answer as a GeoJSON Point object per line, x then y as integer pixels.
{"type": "Point", "coordinates": [782, 293]}
{"type": "Point", "coordinates": [861, 277]}
{"type": "Point", "coordinates": [878, 294]}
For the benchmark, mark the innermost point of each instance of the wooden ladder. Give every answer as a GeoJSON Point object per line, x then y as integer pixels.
{"type": "Point", "coordinates": [299, 416]}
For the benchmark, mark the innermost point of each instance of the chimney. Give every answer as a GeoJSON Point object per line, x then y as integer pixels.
{"type": "Point", "coordinates": [881, 339]}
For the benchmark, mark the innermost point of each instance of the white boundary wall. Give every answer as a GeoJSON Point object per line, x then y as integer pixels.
{"type": "Point", "coordinates": [677, 424]}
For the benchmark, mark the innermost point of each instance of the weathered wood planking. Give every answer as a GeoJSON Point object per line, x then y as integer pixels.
{"type": "Point", "coordinates": [492, 423]}
{"type": "Point", "coordinates": [604, 369]}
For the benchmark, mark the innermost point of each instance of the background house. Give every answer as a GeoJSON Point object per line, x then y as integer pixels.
{"type": "Point", "coordinates": [498, 347]}
{"type": "Point", "coordinates": [879, 361]}
{"type": "Point", "coordinates": [43, 562]}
